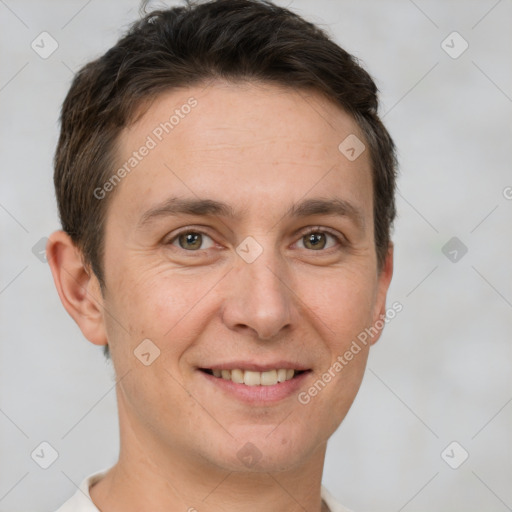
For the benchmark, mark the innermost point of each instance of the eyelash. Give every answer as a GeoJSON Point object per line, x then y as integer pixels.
{"type": "Point", "coordinates": [340, 240]}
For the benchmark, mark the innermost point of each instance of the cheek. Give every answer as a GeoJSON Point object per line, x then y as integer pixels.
{"type": "Point", "coordinates": [343, 300]}
{"type": "Point", "coordinates": [162, 305]}
{"type": "Point", "coordinates": [172, 305]}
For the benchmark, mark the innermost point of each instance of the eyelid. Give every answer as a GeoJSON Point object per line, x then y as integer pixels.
{"type": "Point", "coordinates": [340, 238]}
{"type": "Point", "coordinates": [187, 229]}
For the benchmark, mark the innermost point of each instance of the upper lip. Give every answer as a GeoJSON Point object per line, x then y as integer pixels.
{"type": "Point", "coordinates": [255, 367]}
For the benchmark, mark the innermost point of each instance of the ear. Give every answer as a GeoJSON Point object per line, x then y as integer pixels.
{"type": "Point", "coordinates": [78, 287]}
{"type": "Point", "coordinates": [384, 279]}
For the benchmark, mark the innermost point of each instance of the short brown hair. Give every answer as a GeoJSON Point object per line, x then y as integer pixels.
{"type": "Point", "coordinates": [184, 46]}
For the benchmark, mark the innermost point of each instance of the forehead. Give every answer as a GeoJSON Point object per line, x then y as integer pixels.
{"type": "Point", "coordinates": [237, 105]}
{"type": "Point", "coordinates": [244, 141]}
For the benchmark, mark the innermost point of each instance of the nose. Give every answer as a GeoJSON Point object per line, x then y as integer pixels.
{"type": "Point", "coordinates": [259, 297]}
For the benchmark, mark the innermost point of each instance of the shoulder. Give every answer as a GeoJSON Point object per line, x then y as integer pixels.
{"type": "Point", "coordinates": [333, 505]}
{"type": "Point", "coordinates": [81, 501]}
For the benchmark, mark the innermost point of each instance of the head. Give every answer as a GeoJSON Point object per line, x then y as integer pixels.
{"type": "Point", "coordinates": [243, 103]}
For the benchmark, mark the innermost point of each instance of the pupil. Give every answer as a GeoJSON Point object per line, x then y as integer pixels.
{"type": "Point", "coordinates": [191, 239]}
{"type": "Point", "coordinates": [315, 236]}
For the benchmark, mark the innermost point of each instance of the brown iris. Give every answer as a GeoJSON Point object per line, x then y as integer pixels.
{"type": "Point", "coordinates": [315, 240]}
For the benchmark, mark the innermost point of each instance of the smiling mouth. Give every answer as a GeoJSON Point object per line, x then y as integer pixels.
{"type": "Point", "coordinates": [251, 378]}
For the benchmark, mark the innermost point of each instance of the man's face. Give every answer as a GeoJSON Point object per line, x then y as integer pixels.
{"type": "Point", "coordinates": [252, 290]}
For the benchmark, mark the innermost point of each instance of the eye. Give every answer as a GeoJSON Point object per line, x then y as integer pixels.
{"type": "Point", "coordinates": [190, 240]}
{"type": "Point", "coordinates": [317, 239]}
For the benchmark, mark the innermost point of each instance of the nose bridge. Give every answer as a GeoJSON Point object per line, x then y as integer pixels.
{"type": "Point", "coordinates": [265, 277]}
{"type": "Point", "coordinates": [260, 298]}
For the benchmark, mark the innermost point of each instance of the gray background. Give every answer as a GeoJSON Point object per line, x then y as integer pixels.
{"type": "Point", "coordinates": [442, 370]}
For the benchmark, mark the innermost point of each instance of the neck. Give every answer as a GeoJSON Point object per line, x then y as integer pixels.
{"type": "Point", "coordinates": [149, 476]}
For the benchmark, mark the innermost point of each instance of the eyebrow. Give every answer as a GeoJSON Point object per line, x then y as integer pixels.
{"type": "Point", "coordinates": [175, 206]}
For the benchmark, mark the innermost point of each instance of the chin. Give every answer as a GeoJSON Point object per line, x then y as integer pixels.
{"type": "Point", "coordinates": [266, 449]}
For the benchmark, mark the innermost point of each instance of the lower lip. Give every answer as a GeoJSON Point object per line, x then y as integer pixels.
{"type": "Point", "coordinates": [259, 395]}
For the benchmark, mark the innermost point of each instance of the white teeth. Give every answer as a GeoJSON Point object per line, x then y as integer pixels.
{"type": "Point", "coordinates": [250, 378]}
{"type": "Point", "coordinates": [269, 378]}
{"type": "Point", "coordinates": [281, 375]}
{"type": "Point", "coordinates": [237, 376]}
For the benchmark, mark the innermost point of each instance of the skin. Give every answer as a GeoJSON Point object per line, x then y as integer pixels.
{"type": "Point", "coordinates": [259, 148]}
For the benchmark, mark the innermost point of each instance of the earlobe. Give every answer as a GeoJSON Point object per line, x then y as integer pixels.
{"type": "Point", "coordinates": [384, 280]}
{"type": "Point", "coordinates": [77, 286]}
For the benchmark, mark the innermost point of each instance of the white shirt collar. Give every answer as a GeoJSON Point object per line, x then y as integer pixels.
{"type": "Point", "coordinates": [81, 501]}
